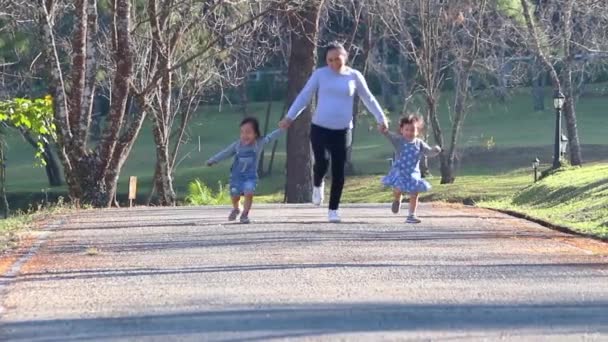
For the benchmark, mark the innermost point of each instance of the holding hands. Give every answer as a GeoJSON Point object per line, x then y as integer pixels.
{"type": "Point", "coordinates": [285, 123]}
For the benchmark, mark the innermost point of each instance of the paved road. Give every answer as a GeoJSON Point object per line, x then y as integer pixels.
{"type": "Point", "coordinates": [184, 274]}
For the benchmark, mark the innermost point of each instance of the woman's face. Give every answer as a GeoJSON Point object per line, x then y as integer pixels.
{"type": "Point", "coordinates": [336, 59]}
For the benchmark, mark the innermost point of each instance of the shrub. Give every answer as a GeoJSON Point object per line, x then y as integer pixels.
{"type": "Point", "coordinates": [200, 194]}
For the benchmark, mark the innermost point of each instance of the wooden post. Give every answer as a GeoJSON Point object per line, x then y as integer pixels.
{"type": "Point", "coordinates": [132, 190]}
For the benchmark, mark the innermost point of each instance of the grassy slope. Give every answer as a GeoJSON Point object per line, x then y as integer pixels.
{"type": "Point", "coordinates": [576, 198]}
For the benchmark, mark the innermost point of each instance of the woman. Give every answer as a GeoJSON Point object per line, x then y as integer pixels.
{"type": "Point", "coordinates": [332, 121]}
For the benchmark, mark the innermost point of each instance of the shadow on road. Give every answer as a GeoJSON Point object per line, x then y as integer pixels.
{"type": "Point", "coordinates": [308, 320]}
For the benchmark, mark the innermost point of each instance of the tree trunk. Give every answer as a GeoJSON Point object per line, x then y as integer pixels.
{"type": "Point", "coordinates": [463, 76]}
{"type": "Point", "coordinates": [349, 167]}
{"type": "Point", "coordinates": [570, 116]}
{"type": "Point", "coordinates": [304, 26]}
{"type": "Point", "coordinates": [404, 72]}
{"type": "Point", "coordinates": [538, 85]}
{"type": "Point", "coordinates": [266, 124]}
{"type": "Point", "coordinates": [243, 98]}
{"type": "Point", "coordinates": [385, 81]}
{"type": "Point", "coordinates": [3, 199]}
{"type": "Point", "coordinates": [164, 180]}
{"type": "Point", "coordinates": [53, 172]}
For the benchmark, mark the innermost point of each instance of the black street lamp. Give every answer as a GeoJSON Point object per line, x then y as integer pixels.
{"type": "Point", "coordinates": [558, 102]}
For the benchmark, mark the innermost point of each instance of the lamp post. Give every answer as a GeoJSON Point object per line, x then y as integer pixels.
{"type": "Point", "coordinates": [535, 165]}
{"type": "Point", "coordinates": [558, 104]}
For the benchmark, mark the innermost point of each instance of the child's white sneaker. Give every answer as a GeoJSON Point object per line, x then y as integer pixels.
{"type": "Point", "coordinates": [333, 216]}
{"type": "Point", "coordinates": [317, 194]}
{"type": "Point", "coordinates": [412, 219]}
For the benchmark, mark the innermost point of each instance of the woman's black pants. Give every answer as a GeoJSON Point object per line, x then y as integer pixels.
{"type": "Point", "coordinates": [335, 142]}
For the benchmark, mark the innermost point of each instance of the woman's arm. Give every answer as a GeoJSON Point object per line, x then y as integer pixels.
{"type": "Point", "coordinates": [368, 99]}
{"type": "Point", "coordinates": [304, 97]}
{"type": "Point", "coordinates": [224, 154]}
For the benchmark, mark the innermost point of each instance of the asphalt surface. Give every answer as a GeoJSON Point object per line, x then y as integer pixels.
{"type": "Point", "coordinates": [164, 274]}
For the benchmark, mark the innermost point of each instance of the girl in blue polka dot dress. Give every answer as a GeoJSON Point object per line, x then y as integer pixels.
{"type": "Point", "coordinates": [404, 176]}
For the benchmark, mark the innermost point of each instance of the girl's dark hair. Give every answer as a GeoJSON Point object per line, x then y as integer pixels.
{"type": "Point", "coordinates": [254, 123]}
{"type": "Point", "coordinates": [411, 119]}
{"type": "Point", "coordinates": [334, 46]}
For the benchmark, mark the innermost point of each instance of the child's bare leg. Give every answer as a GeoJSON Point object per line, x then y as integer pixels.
{"type": "Point", "coordinates": [411, 218]}
{"type": "Point", "coordinates": [396, 206]}
{"type": "Point", "coordinates": [247, 204]}
{"type": "Point", "coordinates": [413, 203]}
{"type": "Point", "coordinates": [246, 208]}
{"type": "Point", "coordinates": [236, 200]}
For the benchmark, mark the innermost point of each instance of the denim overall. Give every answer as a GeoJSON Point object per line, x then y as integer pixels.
{"type": "Point", "coordinates": [244, 171]}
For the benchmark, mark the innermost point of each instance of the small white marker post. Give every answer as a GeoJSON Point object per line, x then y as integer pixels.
{"type": "Point", "coordinates": [132, 190]}
{"type": "Point", "coordinates": [199, 143]}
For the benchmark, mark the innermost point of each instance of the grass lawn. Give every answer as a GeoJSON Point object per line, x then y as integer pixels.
{"type": "Point", "coordinates": [576, 198]}
{"type": "Point", "coordinates": [518, 132]}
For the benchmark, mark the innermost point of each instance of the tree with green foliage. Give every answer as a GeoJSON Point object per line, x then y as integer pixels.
{"type": "Point", "coordinates": [113, 47]}
{"type": "Point", "coordinates": [35, 117]}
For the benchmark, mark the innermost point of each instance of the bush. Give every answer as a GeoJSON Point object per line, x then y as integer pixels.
{"type": "Point", "coordinates": [200, 194]}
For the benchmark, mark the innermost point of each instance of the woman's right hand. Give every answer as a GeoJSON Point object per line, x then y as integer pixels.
{"type": "Point", "coordinates": [285, 123]}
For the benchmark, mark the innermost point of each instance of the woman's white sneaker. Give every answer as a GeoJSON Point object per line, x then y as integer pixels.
{"type": "Point", "coordinates": [317, 194]}
{"type": "Point", "coordinates": [333, 216]}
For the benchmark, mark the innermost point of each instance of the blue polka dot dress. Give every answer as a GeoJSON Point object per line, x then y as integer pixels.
{"type": "Point", "coordinates": [405, 173]}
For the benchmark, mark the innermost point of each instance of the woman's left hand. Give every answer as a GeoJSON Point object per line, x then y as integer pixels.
{"type": "Point", "coordinates": [382, 128]}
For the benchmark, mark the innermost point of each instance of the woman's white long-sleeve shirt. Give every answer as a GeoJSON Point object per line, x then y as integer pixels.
{"type": "Point", "coordinates": [335, 96]}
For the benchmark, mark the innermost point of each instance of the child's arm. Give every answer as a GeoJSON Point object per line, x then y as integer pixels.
{"type": "Point", "coordinates": [274, 135]}
{"type": "Point", "coordinates": [394, 138]}
{"type": "Point", "coordinates": [224, 154]}
{"type": "Point", "coordinates": [428, 150]}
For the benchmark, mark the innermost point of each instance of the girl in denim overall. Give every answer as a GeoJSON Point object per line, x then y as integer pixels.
{"type": "Point", "coordinates": [244, 171]}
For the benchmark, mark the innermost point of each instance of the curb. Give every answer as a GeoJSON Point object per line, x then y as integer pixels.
{"type": "Point", "coordinates": [547, 224]}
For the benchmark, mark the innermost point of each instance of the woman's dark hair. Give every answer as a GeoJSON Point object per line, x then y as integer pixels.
{"type": "Point", "coordinates": [334, 46]}
{"type": "Point", "coordinates": [411, 119]}
{"type": "Point", "coordinates": [255, 124]}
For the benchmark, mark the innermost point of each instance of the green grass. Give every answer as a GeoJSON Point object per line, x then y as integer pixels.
{"type": "Point", "coordinates": [368, 189]}
{"type": "Point", "coordinates": [11, 230]}
{"type": "Point", "coordinates": [576, 198]}
{"type": "Point", "coordinates": [19, 223]}
{"type": "Point", "coordinates": [520, 134]}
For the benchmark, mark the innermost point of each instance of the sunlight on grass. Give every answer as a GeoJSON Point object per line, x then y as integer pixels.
{"type": "Point", "coordinates": [576, 198]}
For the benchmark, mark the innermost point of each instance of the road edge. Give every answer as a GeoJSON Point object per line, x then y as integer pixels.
{"type": "Point", "coordinates": [547, 224]}
{"type": "Point", "coordinates": [7, 278]}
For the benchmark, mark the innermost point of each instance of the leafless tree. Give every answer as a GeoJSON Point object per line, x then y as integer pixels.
{"type": "Point", "coordinates": [443, 39]}
{"type": "Point", "coordinates": [570, 34]}
{"type": "Point", "coordinates": [178, 30]}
